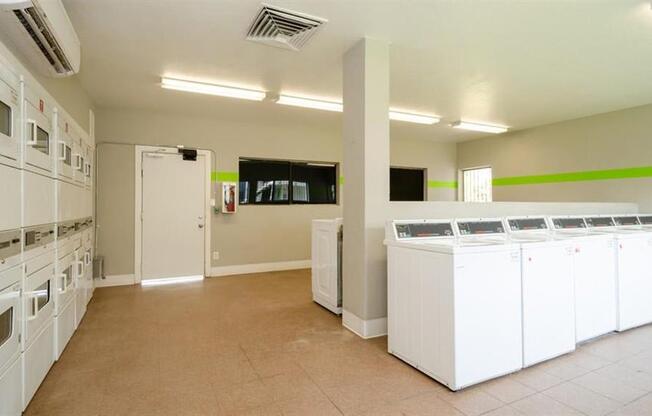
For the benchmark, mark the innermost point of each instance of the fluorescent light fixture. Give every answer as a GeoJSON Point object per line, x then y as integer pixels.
{"type": "Point", "coordinates": [413, 118]}
{"type": "Point", "coordinates": [212, 89]}
{"type": "Point", "coordinates": [171, 280]}
{"type": "Point", "coordinates": [309, 103]}
{"type": "Point", "coordinates": [485, 128]}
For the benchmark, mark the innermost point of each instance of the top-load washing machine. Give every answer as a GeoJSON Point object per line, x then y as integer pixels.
{"type": "Point", "coordinates": [547, 289]}
{"type": "Point", "coordinates": [594, 273]}
{"type": "Point", "coordinates": [634, 271]}
{"type": "Point", "coordinates": [327, 264]}
{"type": "Point", "coordinates": [454, 304]}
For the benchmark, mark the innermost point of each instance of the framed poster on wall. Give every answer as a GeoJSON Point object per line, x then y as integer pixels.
{"type": "Point", "coordinates": [229, 197]}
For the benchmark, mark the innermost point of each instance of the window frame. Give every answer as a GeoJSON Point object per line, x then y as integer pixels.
{"type": "Point", "coordinates": [291, 162]}
{"type": "Point", "coordinates": [425, 181]}
{"type": "Point", "coordinates": [462, 181]}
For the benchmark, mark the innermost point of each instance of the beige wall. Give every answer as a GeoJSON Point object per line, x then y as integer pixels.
{"type": "Point", "coordinates": [256, 234]}
{"type": "Point", "coordinates": [614, 140]}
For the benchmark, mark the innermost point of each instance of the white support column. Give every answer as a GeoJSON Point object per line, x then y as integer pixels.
{"type": "Point", "coordinates": [366, 187]}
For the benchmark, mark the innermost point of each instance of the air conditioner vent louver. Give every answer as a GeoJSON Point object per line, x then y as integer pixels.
{"type": "Point", "coordinates": [283, 28]}
{"type": "Point", "coordinates": [33, 23]}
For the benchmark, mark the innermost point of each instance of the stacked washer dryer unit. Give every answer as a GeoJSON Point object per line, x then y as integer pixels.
{"type": "Point", "coordinates": [38, 224]}
{"type": "Point", "coordinates": [548, 289]}
{"type": "Point", "coordinates": [454, 304]}
{"type": "Point", "coordinates": [634, 274]}
{"type": "Point", "coordinates": [33, 165]}
{"type": "Point", "coordinates": [11, 269]}
{"type": "Point", "coordinates": [327, 264]}
{"type": "Point", "coordinates": [594, 274]}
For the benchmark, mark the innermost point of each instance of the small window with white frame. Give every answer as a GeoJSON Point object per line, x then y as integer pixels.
{"type": "Point", "coordinates": [476, 184]}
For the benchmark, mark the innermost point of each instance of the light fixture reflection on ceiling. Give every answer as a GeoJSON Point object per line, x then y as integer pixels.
{"type": "Point", "coordinates": [413, 118]}
{"type": "Point", "coordinates": [484, 128]}
{"type": "Point", "coordinates": [309, 103]}
{"type": "Point", "coordinates": [212, 89]}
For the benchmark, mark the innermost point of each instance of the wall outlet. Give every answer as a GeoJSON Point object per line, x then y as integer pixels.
{"type": "Point", "coordinates": [216, 255]}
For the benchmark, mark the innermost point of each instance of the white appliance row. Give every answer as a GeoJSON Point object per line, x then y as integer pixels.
{"type": "Point", "coordinates": [44, 292]}
{"type": "Point", "coordinates": [474, 299]}
{"type": "Point", "coordinates": [46, 169]}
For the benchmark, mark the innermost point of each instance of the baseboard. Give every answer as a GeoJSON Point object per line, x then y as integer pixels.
{"type": "Point", "coordinates": [115, 280]}
{"type": "Point", "coordinates": [260, 267]}
{"type": "Point", "coordinates": [365, 329]}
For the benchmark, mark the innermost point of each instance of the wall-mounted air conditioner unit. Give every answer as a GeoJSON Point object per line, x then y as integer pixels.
{"type": "Point", "coordinates": [41, 31]}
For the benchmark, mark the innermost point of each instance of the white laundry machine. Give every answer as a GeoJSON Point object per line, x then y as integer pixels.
{"type": "Point", "coordinates": [327, 264]}
{"type": "Point", "coordinates": [38, 153]}
{"type": "Point", "coordinates": [10, 115]}
{"type": "Point", "coordinates": [64, 146]}
{"type": "Point", "coordinates": [634, 271]}
{"type": "Point", "coordinates": [64, 301]}
{"type": "Point", "coordinates": [594, 272]}
{"type": "Point", "coordinates": [454, 304]}
{"type": "Point", "coordinates": [11, 248]}
{"type": "Point", "coordinates": [38, 322]}
{"type": "Point", "coordinates": [547, 289]}
{"type": "Point", "coordinates": [11, 376]}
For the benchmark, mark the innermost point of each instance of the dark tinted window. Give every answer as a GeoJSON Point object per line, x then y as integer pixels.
{"type": "Point", "coordinates": [406, 184]}
{"type": "Point", "coordinates": [313, 183]}
{"type": "Point", "coordinates": [284, 182]}
{"type": "Point", "coordinates": [5, 119]}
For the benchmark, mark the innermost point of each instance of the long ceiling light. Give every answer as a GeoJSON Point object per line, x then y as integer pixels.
{"type": "Point", "coordinates": [338, 107]}
{"type": "Point", "coordinates": [413, 118]}
{"type": "Point", "coordinates": [485, 128]}
{"type": "Point", "coordinates": [309, 103]}
{"type": "Point", "coordinates": [212, 89]}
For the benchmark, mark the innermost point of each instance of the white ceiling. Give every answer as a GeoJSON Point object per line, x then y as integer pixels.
{"type": "Point", "coordinates": [512, 62]}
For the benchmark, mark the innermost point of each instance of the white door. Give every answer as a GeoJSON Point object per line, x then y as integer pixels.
{"type": "Point", "coordinates": [173, 201]}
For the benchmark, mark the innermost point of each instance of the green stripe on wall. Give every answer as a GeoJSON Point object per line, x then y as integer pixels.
{"type": "Point", "coordinates": [224, 176]}
{"type": "Point", "coordinates": [592, 175]}
{"type": "Point", "coordinates": [442, 184]}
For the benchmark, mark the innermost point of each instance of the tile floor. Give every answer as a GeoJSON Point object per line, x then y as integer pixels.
{"type": "Point", "coordinates": [257, 345]}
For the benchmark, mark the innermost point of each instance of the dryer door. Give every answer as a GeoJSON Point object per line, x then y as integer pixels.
{"type": "Point", "coordinates": [9, 318]}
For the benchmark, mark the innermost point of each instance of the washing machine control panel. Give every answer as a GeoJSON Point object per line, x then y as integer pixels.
{"type": "Point", "coordinates": [480, 227]}
{"type": "Point", "coordinates": [527, 224]}
{"type": "Point", "coordinates": [423, 230]}
{"type": "Point", "coordinates": [568, 223]}
{"type": "Point", "coordinates": [628, 220]}
{"type": "Point", "coordinates": [645, 219]}
{"type": "Point", "coordinates": [593, 222]}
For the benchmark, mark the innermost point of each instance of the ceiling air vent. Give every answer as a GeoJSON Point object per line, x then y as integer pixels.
{"type": "Point", "coordinates": [283, 28]}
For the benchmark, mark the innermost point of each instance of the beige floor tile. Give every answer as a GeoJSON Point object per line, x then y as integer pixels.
{"type": "Point", "coordinates": [504, 411]}
{"type": "Point", "coordinates": [471, 401]}
{"type": "Point", "coordinates": [429, 404]}
{"type": "Point", "coordinates": [640, 407]}
{"type": "Point", "coordinates": [542, 405]}
{"type": "Point", "coordinates": [632, 378]}
{"type": "Point", "coordinates": [639, 362]}
{"type": "Point", "coordinates": [582, 399]}
{"type": "Point", "coordinates": [536, 378]}
{"type": "Point", "coordinates": [609, 387]}
{"type": "Point", "coordinates": [507, 389]}
{"type": "Point", "coordinates": [308, 406]}
{"type": "Point", "coordinates": [258, 345]}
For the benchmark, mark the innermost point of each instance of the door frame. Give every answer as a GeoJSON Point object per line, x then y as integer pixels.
{"type": "Point", "coordinates": [138, 195]}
